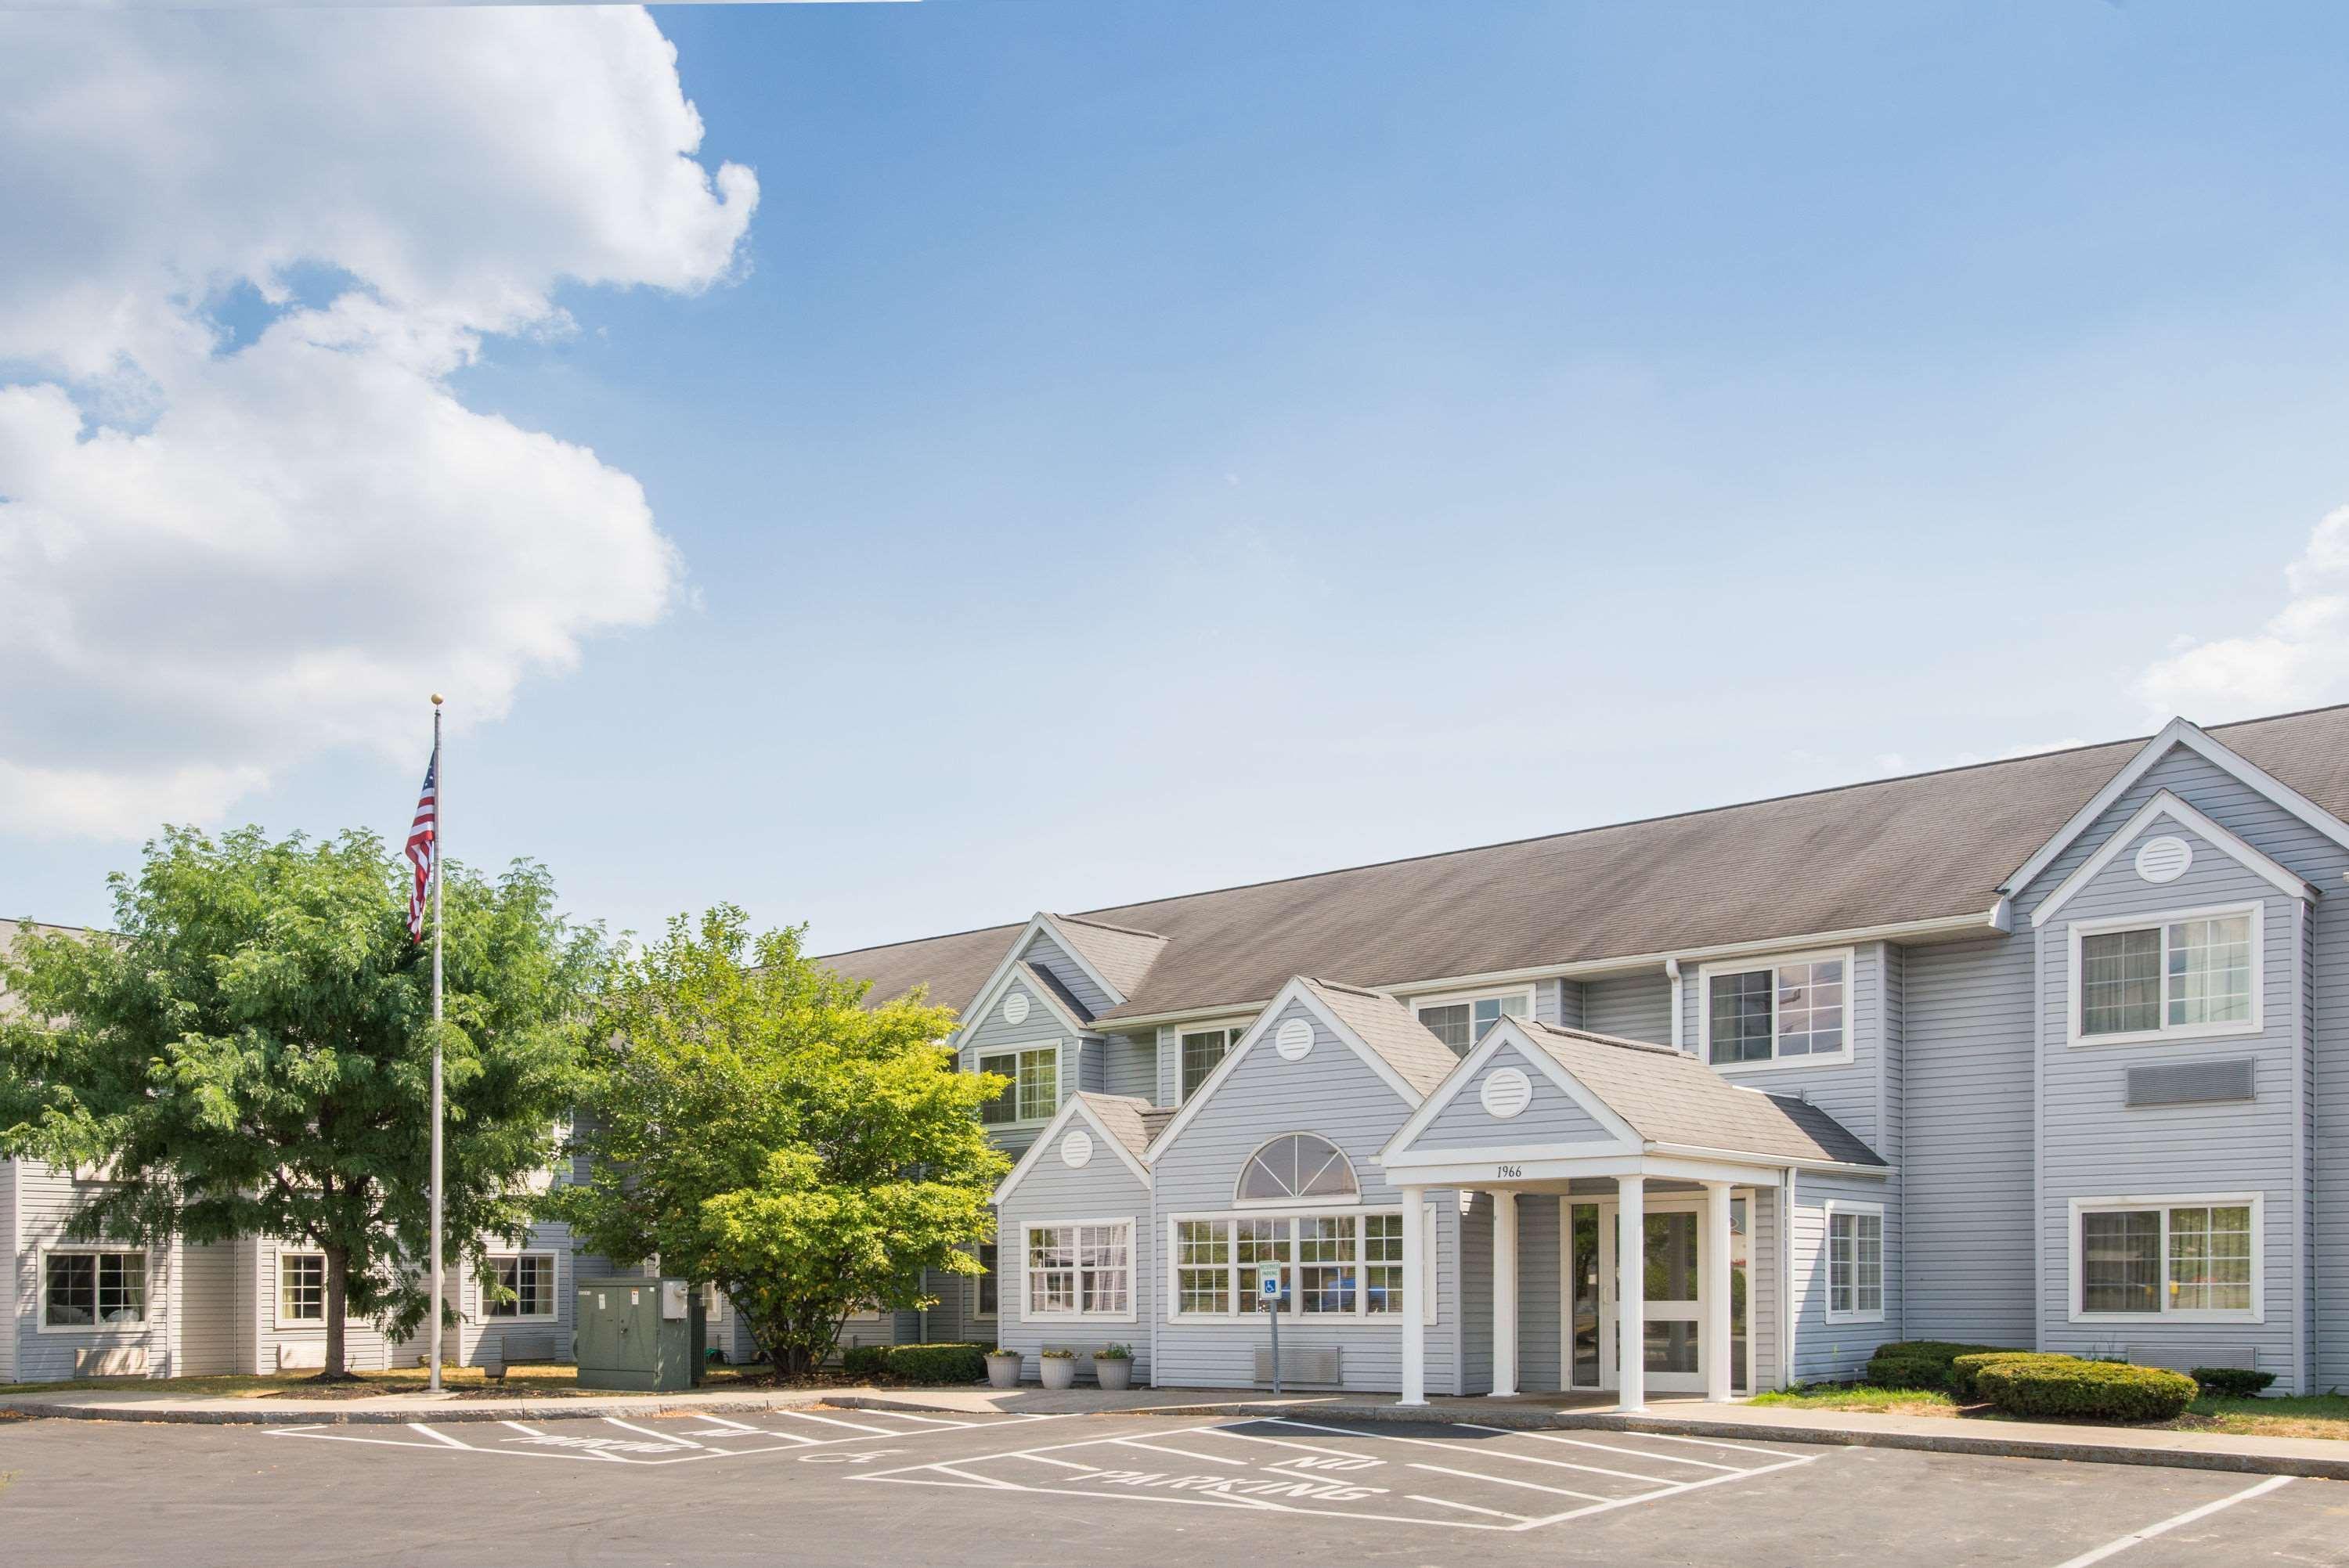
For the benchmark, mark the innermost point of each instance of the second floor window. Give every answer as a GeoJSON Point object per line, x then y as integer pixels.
{"type": "Point", "coordinates": [1203, 1051]}
{"type": "Point", "coordinates": [2193, 974]}
{"type": "Point", "coordinates": [1460, 1023]}
{"type": "Point", "coordinates": [1796, 1009]}
{"type": "Point", "coordinates": [1034, 1092]}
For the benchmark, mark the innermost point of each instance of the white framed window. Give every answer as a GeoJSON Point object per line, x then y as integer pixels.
{"type": "Point", "coordinates": [1788, 1012]}
{"type": "Point", "coordinates": [1855, 1261]}
{"type": "Point", "coordinates": [1297, 1167]}
{"type": "Point", "coordinates": [92, 1290]}
{"type": "Point", "coordinates": [2187, 1257]}
{"type": "Point", "coordinates": [986, 1290]}
{"type": "Point", "coordinates": [525, 1287]}
{"type": "Point", "coordinates": [1200, 1051]}
{"type": "Point", "coordinates": [301, 1289]}
{"type": "Point", "coordinates": [1462, 1020]}
{"type": "Point", "coordinates": [1346, 1265]}
{"type": "Point", "coordinates": [2187, 974]}
{"type": "Point", "coordinates": [1034, 1092]}
{"type": "Point", "coordinates": [1078, 1269]}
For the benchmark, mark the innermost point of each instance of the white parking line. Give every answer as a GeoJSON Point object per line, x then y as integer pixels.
{"type": "Point", "coordinates": [1284, 1443]}
{"type": "Point", "coordinates": [2111, 1548]}
{"type": "Point", "coordinates": [1186, 1453]}
{"type": "Point", "coordinates": [1520, 1519]}
{"type": "Point", "coordinates": [545, 1445]}
{"type": "Point", "coordinates": [676, 1437]}
{"type": "Point", "coordinates": [1503, 1481]}
{"type": "Point", "coordinates": [437, 1436]}
{"type": "Point", "coordinates": [1635, 1453]}
{"type": "Point", "coordinates": [852, 1426]}
{"type": "Point", "coordinates": [1710, 1443]}
{"type": "Point", "coordinates": [1452, 1444]}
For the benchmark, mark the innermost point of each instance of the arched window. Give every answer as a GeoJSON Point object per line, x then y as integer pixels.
{"type": "Point", "coordinates": [1296, 1165]}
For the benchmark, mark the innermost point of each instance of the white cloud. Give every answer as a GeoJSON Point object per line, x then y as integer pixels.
{"type": "Point", "coordinates": [218, 557]}
{"type": "Point", "coordinates": [2299, 659]}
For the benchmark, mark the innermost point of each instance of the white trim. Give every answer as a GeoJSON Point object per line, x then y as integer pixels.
{"type": "Point", "coordinates": [1233, 1025]}
{"type": "Point", "coordinates": [1419, 1002]}
{"type": "Point", "coordinates": [2178, 732]}
{"type": "Point", "coordinates": [1028, 1313]}
{"type": "Point", "coordinates": [1833, 1207]}
{"type": "Point", "coordinates": [1046, 1143]}
{"type": "Point", "coordinates": [2161, 922]}
{"type": "Point", "coordinates": [1513, 1168]}
{"type": "Point", "coordinates": [977, 1018]}
{"type": "Point", "coordinates": [277, 1305]}
{"type": "Point", "coordinates": [1775, 1161]}
{"type": "Point", "coordinates": [1998, 918]}
{"type": "Point", "coordinates": [553, 1295]}
{"type": "Point", "coordinates": [1298, 990]}
{"type": "Point", "coordinates": [1016, 954]}
{"type": "Point", "coordinates": [1076, 953]}
{"type": "Point", "coordinates": [146, 1279]}
{"type": "Point", "coordinates": [1772, 962]}
{"type": "Point", "coordinates": [1294, 1312]}
{"type": "Point", "coordinates": [2165, 804]}
{"type": "Point", "coordinates": [2164, 1203]}
{"type": "Point", "coordinates": [1512, 1032]}
{"type": "Point", "coordinates": [1061, 1090]}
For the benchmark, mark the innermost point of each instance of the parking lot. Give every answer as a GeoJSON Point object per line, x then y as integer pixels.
{"type": "Point", "coordinates": [862, 1487]}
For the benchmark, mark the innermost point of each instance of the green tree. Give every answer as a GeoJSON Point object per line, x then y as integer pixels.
{"type": "Point", "coordinates": [751, 1121]}
{"type": "Point", "coordinates": [249, 1053]}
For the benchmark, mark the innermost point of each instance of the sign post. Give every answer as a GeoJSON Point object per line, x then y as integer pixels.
{"type": "Point", "coordinates": [1268, 1287]}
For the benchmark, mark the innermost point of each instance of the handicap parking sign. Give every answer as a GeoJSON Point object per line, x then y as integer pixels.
{"type": "Point", "coordinates": [1269, 1287]}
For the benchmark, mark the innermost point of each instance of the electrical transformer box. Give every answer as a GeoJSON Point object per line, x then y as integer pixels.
{"type": "Point", "coordinates": [642, 1335]}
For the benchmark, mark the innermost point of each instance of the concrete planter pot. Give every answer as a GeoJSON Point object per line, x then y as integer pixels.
{"type": "Point", "coordinates": [1114, 1372]}
{"type": "Point", "coordinates": [1003, 1369]}
{"type": "Point", "coordinates": [1059, 1371]}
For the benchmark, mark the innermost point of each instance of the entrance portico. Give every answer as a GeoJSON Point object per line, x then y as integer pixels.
{"type": "Point", "coordinates": [1660, 1175]}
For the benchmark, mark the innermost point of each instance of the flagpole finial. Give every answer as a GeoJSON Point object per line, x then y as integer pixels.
{"type": "Point", "coordinates": [436, 699]}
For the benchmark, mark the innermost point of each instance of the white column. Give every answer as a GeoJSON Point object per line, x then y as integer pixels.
{"type": "Point", "coordinates": [1715, 1292]}
{"type": "Point", "coordinates": [1505, 1295]}
{"type": "Point", "coordinates": [1631, 1293]}
{"type": "Point", "coordinates": [1415, 1306]}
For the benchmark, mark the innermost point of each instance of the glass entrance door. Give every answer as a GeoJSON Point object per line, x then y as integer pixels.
{"type": "Point", "coordinates": [1673, 1337]}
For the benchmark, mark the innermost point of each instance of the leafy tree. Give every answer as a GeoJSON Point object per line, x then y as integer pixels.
{"type": "Point", "coordinates": [250, 1054]}
{"type": "Point", "coordinates": [752, 1122]}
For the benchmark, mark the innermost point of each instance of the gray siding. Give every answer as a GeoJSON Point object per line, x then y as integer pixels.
{"type": "Point", "coordinates": [1331, 1092]}
{"type": "Point", "coordinates": [1633, 1007]}
{"type": "Point", "coordinates": [46, 1200]}
{"type": "Point", "coordinates": [1966, 1198]}
{"type": "Point", "coordinates": [1083, 1063]}
{"type": "Point", "coordinates": [1851, 1092]}
{"type": "Point", "coordinates": [1474, 1333]}
{"type": "Point", "coordinates": [1049, 956]}
{"type": "Point", "coordinates": [1837, 1352]}
{"type": "Point", "coordinates": [1170, 1066]}
{"type": "Point", "coordinates": [1132, 1067]}
{"type": "Point", "coordinates": [1540, 1284]}
{"type": "Point", "coordinates": [208, 1314]}
{"type": "Point", "coordinates": [1551, 1117]}
{"type": "Point", "coordinates": [1052, 1191]}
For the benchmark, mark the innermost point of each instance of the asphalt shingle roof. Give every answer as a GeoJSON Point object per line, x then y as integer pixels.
{"type": "Point", "coordinates": [1388, 1027]}
{"type": "Point", "coordinates": [1928, 846]}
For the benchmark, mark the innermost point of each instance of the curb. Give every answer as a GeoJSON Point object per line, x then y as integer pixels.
{"type": "Point", "coordinates": [432, 1415]}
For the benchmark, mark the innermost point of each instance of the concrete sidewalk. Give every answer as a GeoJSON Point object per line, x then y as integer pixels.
{"type": "Point", "coordinates": [2314, 1457]}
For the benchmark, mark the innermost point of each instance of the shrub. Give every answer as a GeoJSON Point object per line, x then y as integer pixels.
{"type": "Point", "coordinates": [939, 1363]}
{"type": "Point", "coordinates": [2233, 1382]}
{"type": "Point", "coordinates": [1114, 1353]}
{"type": "Point", "coordinates": [1963, 1369]}
{"type": "Point", "coordinates": [1919, 1363]}
{"type": "Point", "coordinates": [1057, 1354]}
{"type": "Point", "coordinates": [2069, 1389]}
{"type": "Point", "coordinates": [865, 1360]}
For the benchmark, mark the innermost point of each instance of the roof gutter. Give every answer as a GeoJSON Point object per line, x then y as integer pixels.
{"type": "Point", "coordinates": [1998, 918]}
{"type": "Point", "coordinates": [1835, 1167]}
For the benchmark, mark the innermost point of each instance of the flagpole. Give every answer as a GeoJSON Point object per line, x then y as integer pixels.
{"type": "Point", "coordinates": [440, 819]}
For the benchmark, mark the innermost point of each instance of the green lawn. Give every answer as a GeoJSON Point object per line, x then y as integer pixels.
{"type": "Point", "coordinates": [2315, 1415]}
{"type": "Point", "coordinates": [536, 1382]}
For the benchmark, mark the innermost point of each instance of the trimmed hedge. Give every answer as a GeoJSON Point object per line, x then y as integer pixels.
{"type": "Point", "coordinates": [1920, 1363]}
{"type": "Point", "coordinates": [2069, 1389]}
{"type": "Point", "coordinates": [939, 1363]}
{"type": "Point", "coordinates": [1963, 1371]}
{"type": "Point", "coordinates": [2233, 1382]}
{"type": "Point", "coordinates": [865, 1360]}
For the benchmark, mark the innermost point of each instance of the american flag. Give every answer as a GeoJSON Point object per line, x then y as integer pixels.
{"type": "Point", "coordinates": [423, 845]}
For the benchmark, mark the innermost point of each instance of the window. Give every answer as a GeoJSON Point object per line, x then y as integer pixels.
{"type": "Point", "coordinates": [1296, 1165]}
{"type": "Point", "coordinates": [2194, 1258]}
{"type": "Point", "coordinates": [1460, 1023]}
{"type": "Point", "coordinates": [301, 1288]}
{"type": "Point", "coordinates": [1083, 1270]}
{"type": "Point", "coordinates": [94, 1290]}
{"type": "Point", "coordinates": [987, 1286]}
{"type": "Point", "coordinates": [525, 1287]}
{"type": "Point", "coordinates": [1330, 1265]}
{"type": "Point", "coordinates": [1034, 1092]}
{"type": "Point", "coordinates": [1203, 1050]}
{"type": "Point", "coordinates": [2195, 974]}
{"type": "Point", "coordinates": [1854, 1262]}
{"type": "Point", "coordinates": [1794, 1011]}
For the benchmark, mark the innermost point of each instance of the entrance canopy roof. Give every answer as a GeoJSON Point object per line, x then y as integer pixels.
{"type": "Point", "coordinates": [1535, 1102]}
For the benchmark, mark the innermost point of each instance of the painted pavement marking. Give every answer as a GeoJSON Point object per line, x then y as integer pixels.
{"type": "Point", "coordinates": [2113, 1548]}
{"type": "Point", "coordinates": [717, 1438]}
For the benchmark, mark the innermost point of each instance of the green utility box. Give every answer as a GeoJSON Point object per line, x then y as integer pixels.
{"type": "Point", "coordinates": [642, 1335]}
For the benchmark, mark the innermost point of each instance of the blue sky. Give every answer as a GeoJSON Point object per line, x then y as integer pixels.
{"type": "Point", "coordinates": [1145, 449]}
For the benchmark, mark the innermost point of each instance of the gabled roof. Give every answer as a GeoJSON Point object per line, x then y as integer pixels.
{"type": "Point", "coordinates": [1118, 956]}
{"type": "Point", "coordinates": [1116, 1121]}
{"type": "Point", "coordinates": [1045, 984]}
{"type": "Point", "coordinates": [1379, 1029]}
{"type": "Point", "coordinates": [2169, 806]}
{"type": "Point", "coordinates": [1929, 847]}
{"type": "Point", "coordinates": [1665, 1098]}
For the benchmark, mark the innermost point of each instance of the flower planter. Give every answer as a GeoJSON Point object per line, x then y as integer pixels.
{"type": "Point", "coordinates": [1002, 1368]}
{"type": "Point", "coordinates": [1117, 1373]}
{"type": "Point", "coordinates": [1059, 1371]}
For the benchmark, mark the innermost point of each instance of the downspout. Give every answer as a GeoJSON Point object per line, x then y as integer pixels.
{"type": "Point", "coordinates": [1673, 975]}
